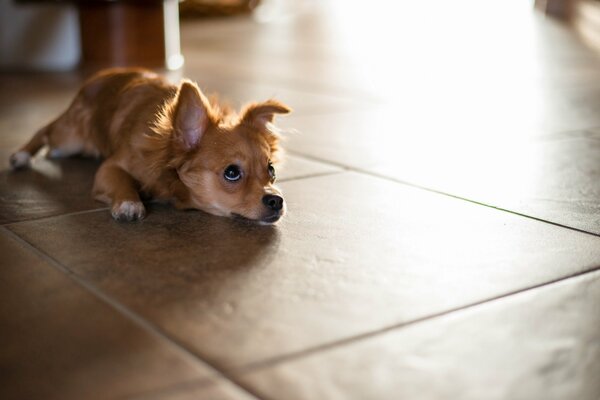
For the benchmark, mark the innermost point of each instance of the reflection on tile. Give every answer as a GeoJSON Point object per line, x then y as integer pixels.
{"type": "Point", "coordinates": [542, 344]}
{"type": "Point", "coordinates": [354, 139]}
{"type": "Point", "coordinates": [239, 92]}
{"type": "Point", "coordinates": [293, 167]}
{"type": "Point", "coordinates": [354, 254]}
{"type": "Point", "coordinates": [454, 78]}
{"type": "Point", "coordinates": [555, 179]}
{"type": "Point", "coordinates": [447, 112]}
{"type": "Point", "coordinates": [60, 342]}
{"type": "Point", "coordinates": [554, 176]}
{"type": "Point", "coordinates": [51, 187]}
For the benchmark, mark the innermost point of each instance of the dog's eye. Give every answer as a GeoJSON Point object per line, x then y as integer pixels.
{"type": "Point", "coordinates": [271, 171]}
{"type": "Point", "coordinates": [232, 173]}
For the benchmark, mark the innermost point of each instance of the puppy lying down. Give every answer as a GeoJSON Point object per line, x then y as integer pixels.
{"type": "Point", "coordinates": [170, 143]}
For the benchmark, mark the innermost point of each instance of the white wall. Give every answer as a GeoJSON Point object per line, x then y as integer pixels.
{"type": "Point", "coordinates": [39, 37]}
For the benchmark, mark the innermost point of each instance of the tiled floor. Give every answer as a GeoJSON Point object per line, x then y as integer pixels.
{"type": "Point", "coordinates": [442, 242]}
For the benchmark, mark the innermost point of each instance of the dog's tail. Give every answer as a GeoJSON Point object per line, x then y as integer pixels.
{"type": "Point", "coordinates": [21, 158]}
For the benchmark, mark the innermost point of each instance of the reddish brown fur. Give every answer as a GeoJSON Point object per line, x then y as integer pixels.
{"type": "Point", "coordinates": [167, 141]}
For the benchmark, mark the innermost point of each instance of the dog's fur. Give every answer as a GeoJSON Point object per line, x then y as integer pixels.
{"type": "Point", "coordinates": [168, 142]}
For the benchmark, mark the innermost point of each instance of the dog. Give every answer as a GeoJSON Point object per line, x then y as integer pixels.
{"type": "Point", "coordinates": [168, 142]}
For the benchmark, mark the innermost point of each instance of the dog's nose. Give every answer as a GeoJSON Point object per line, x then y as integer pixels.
{"type": "Point", "coordinates": [273, 202]}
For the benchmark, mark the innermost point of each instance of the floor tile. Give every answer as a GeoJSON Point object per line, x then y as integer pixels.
{"type": "Point", "coordinates": [354, 254]}
{"type": "Point", "coordinates": [50, 187]}
{"type": "Point", "coordinates": [294, 167]}
{"type": "Point", "coordinates": [30, 100]}
{"type": "Point", "coordinates": [61, 342]}
{"type": "Point", "coordinates": [556, 178]}
{"type": "Point", "coordinates": [452, 78]}
{"type": "Point", "coordinates": [240, 92]}
{"type": "Point", "coordinates": [552, 176]}
{"type": "Point", "coordinates": [541, 344]}
{"type": "Point", "coordinates": [217, 390]}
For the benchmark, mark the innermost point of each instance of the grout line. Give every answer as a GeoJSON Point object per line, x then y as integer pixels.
{"type": "Point", "coordinates": [141, 322]}
{"type": "Point", "coordinates": [308, 176]}
{"type": "Point", "coordinates": [318, 159]}
{"type": "Point", "coordinates": [267, 363]}
{"type": "Point", "coordinates": [54, 216]}
{"type": "Point", "coordinates": [431, 190]}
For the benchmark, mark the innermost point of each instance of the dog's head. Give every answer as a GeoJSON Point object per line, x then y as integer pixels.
{"type": "Point", "coordinates": [227, 160]}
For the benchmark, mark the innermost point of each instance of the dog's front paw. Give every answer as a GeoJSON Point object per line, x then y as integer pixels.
{"type": "Point", "coordinates": [128, 211]}
{"type": "Point", "coordinates": [20, 159]}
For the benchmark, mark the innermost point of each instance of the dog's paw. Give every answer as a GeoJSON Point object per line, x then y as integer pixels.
{"type": "Point", "coordinates": [128, 211]}
{"type": "Point", "coordinates": [57, 153]}
{"type": "Point", "coordinates": [20, 159]}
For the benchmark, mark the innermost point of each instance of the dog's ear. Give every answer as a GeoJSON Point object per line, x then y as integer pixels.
{"type": "Point", "coordinates": [259, 114]}
{"type": "Point", "coordinates": [191, 116]}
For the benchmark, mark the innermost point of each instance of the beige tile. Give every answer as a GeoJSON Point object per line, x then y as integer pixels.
{"type": "Point", "coordinates": [61, 342]}
{"type": "Point", "coordinates": [555, 178]}
{"type": "Point", "coordinates": [50, 187]}
{"type": "Point", "coordinates": [436, 75]}
{"type": "Point", "coordinates": [354, 254]}
{"type": "Point", "coordinates": [218, 389]}
{"type": "Point", "coordinates": [552, 176]}
{"type": "Point", "coordinates": [542, 344]}
{"type": "Point", "coordinates": [240, 92]}
{"type": "Point", "coordinates": [29, 101]}
{"type": "Point", "coordinates": [25, 112]}
{"type": "Point", "coordinates": [294, 167]}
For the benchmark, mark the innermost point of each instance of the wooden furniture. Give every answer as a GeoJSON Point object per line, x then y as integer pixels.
{"type": "Point", "coordinates": [127, 32]}
{"type": "Point", "coordinates": [562, 9]}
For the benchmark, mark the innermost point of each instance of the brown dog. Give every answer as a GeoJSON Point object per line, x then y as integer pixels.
{"type": "Point", "coordinates": [168, 142]}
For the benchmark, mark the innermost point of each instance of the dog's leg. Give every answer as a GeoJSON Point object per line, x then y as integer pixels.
{"type": "Point", "coordinates": [116, 187]}
{"type": "Point", "coordinates": [61, 136]}
{"type": "Point", "coordinates": [65, 142]}
{"type": "Point", "coordinates": [21, 158]}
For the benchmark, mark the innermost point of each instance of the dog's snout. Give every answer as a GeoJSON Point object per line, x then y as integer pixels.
{"type": "Point", "coordinates": [273, 202]}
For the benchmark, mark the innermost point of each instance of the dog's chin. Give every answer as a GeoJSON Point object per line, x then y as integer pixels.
{"type": "Point", "coordinates": [268, 220]}
{"type": "Point", "coordinates": [271, 219]}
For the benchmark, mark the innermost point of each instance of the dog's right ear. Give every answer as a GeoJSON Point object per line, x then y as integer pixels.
{"type": "Point", "coordinates": [259, 114]}
{"type": "Point", "coordinates": [191, 117]}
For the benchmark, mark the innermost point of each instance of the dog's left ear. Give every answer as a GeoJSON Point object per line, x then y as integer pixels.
{"type": "Point", "coordinates": [259, 114]}
{"type": "Point", "coordinates": [192, 115]}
